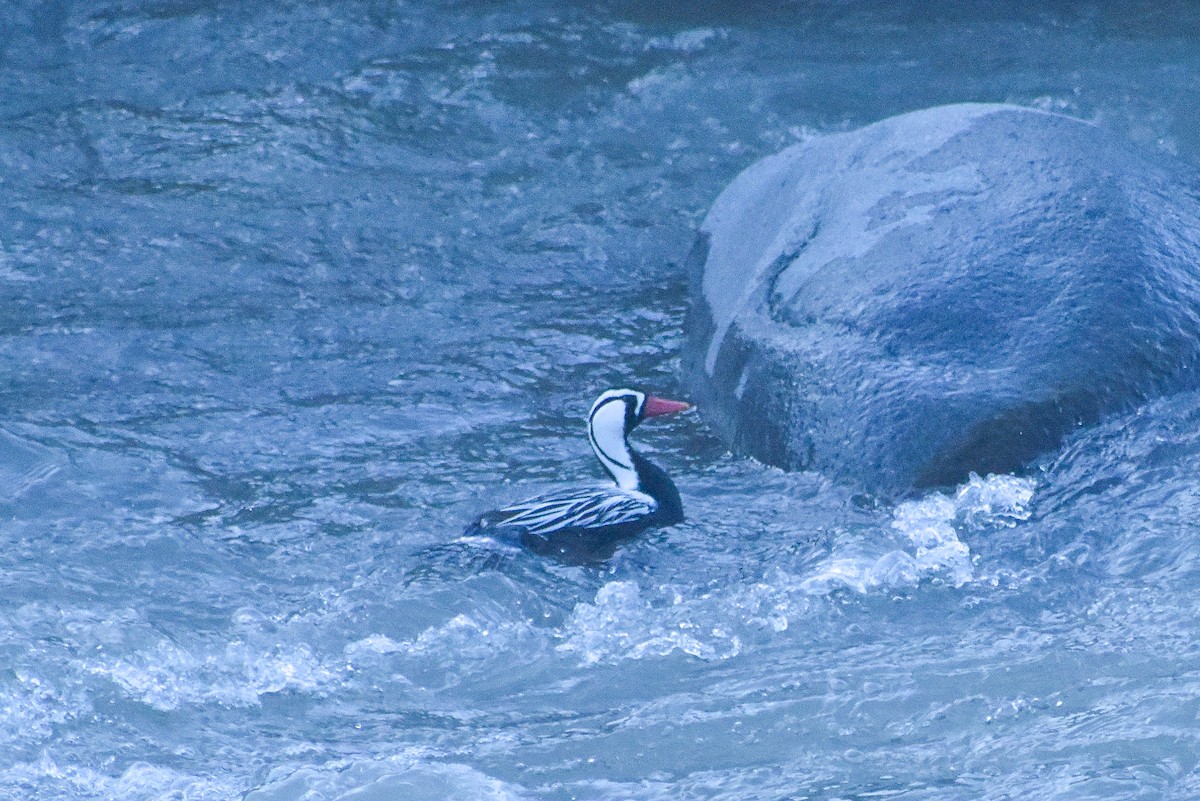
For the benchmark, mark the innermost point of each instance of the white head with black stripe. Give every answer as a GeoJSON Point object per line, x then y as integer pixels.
{"type": "Point", "coordinates": [616, 413]}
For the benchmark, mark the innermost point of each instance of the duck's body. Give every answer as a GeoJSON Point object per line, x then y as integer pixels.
{"type": "Point", "coordinates": [587, 524]}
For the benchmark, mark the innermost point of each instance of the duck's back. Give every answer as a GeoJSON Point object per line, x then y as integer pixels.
{"type": "Point", "coordinates": [580, 525]}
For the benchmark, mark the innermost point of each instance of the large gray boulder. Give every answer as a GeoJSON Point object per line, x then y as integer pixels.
{"type": "Point", "coordinates": [943, 292]}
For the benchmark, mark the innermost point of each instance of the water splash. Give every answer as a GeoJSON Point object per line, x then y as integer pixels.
{"type": "Point", "coordinates": [621, 623]}
{"type": "Point", "coordinates": [31, 707]}
{"type": "Point", "coordinates": [626, 620]}
{"type": "Point", "coordinates": [168, 676]}
{"type": "Point", "coordinates": [931, 525]}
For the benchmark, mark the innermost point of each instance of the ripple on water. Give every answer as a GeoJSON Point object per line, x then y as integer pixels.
{"type": "Point", "coordinates": [141, 781]}
{"type": "Point", "coordinates": [408, 776]}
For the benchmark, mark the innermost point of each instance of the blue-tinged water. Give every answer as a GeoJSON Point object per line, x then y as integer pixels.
{"type": "Point", "coordinates": [290, 291]}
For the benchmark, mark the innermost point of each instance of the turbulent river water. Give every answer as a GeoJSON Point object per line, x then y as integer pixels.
{"type": "Point", "coordinates": [289, 291]}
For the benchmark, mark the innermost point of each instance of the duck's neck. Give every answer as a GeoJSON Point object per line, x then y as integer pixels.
{"type": "Point", "coordinates": [632, 471]}
{"type": "Point", "coordinates": [619, 460]}
{"type": "Point", "coordinates": [655, 482]}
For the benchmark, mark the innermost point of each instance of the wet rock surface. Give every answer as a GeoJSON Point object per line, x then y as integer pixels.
{"type": "Point", "coordinates": [944, 292]}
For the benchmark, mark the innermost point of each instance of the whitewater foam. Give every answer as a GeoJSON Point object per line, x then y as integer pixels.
{"type": "Point", "coordinates": [931, 526]}
{"type": "Point", "coordinates": [168, 676]}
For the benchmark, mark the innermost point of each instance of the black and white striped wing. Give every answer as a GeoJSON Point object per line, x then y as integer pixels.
{"type": "Point", "coordinates": [593, 508]}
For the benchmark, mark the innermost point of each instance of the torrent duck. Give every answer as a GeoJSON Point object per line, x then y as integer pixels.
{"type": "Point", "coordinates": [586, 524]}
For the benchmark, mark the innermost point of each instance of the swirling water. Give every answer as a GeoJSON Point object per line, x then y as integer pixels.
{"type": "Point", "coordinates": [292, 290]}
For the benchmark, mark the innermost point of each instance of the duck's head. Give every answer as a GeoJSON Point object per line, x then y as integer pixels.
{"type": "Point", "coordinates": [614, 414]}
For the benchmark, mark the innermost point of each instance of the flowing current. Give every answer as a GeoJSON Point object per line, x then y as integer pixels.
{"type": "Point", "coordinates": [290, 291]}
